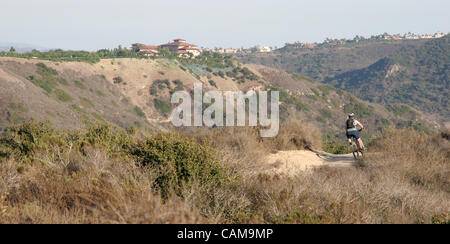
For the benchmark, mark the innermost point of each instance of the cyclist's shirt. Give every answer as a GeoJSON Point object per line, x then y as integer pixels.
{"type": "Point", "coordinates": [352, 127]}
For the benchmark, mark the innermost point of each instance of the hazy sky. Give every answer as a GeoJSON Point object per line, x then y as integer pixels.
{"type": "Point", "coordinates": [95, 24]}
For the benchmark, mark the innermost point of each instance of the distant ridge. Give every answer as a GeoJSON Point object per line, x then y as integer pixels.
{"type": "Point", "coordinates": [21, 47]}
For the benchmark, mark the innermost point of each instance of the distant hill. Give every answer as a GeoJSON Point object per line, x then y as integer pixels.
{"type": "Point", "coordinates": [412, 72]}
{"type": "Point", "coordinates": [20, 47]}
{"type": "Point", "coordinates": [324, 61]}
{"type": "Point", "coordinates": [415, 75]}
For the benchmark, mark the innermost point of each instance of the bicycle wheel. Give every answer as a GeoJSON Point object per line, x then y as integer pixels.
{"type": "Point", "coordinates": [354, 150]}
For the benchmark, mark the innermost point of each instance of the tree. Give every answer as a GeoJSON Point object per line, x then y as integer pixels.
{"type": "Point", "coordinates": [165, 52]}
{"type": "Point", "coordinates": [12, 50]}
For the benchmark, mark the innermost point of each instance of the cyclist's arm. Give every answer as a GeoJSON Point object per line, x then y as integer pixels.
{"type": "Point", "coordinates": [360, 125]}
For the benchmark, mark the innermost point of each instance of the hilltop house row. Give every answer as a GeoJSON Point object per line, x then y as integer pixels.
{"type": "Point", "coordinates": [178, 46]}
{"type": "Point", "coordinates": [385, 36]}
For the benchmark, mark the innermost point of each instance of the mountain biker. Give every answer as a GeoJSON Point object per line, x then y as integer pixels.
{"type": "Point", "coordinates": [352, 131]}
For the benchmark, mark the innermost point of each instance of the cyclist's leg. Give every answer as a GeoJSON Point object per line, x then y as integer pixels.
{"type": "Point", "coordinates": [349, 137]}
{"type": "Point", "coordinates": [360, 143]}
{"type": "Point", "coordinates": [358, 139]}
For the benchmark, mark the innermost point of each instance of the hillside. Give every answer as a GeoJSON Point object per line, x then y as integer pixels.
{"type": "Point", "coordinates": [136, 92]}
{"type": "Point", "coordinates": [417, 76]}
{"type": "Point", "coordinates": [324, 61]}
{"type": "Point", "coordinates": [69, 95]}
{"type": "Point", "coordinates": [76, 170]}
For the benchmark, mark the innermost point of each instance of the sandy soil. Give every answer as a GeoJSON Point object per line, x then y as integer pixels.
{"type": "Point", "coordinates": [293, 162]}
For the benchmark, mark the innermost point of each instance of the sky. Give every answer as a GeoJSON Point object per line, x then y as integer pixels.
{"type": "Point", "coordinates": [96, 24]}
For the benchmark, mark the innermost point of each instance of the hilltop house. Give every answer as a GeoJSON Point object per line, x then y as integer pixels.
{"type": "Point", "coordinates": [301, 45]}
{"type": "Point", "coordinates": [178, 46]}
{"type": "Point", "coordinates": [181, 47]}
{"type": "Point", "coordinates": [147, 50]}
{"type": "Point", "coordinates": [262, 49]}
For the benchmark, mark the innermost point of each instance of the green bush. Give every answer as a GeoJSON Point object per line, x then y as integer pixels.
{"type": "Point", "coordinates": [401, 110]}
{"type": "Point", "coordinates": [359, 108]}
{"type": "Point", "coordinates": [212, 83]}
{"type": "Point", "coordinates": [100, 93]}
{"type": "Point", "coordinates": [48, 80]}
{"type": "Point", "coordinates": [18, 106]}
{"type": "Point", "coordinates": [325, 89]}
{"type": "Point", "coordinates": [162, 106]}
{"type": "Point", "coordinates": [77, 108]}
{"type": "Point", "coordinates": [63, 96]}
{"type": "Point", "coordinates": [117, 80]}
{"type": "Point", "coordinates": [98, 117]}
{"type": "Point", "coordinates": [139, 111]}
{"type": "Point", "coordinates": [320, 119]}
{"type": "Point", "coordinates": [79, 84]}
{"type": "Point", "coordinates": [86, 102]}
{"type": "Point", "coordinates": [179, 161]}
{"type": "Point", "coordinates": [24, 140]}
{"type": "Point", "coordinates": [299, 106]}
{"type": "Point", "coordinates": [416, 125]}
{"type": "Point", "coordinates": [335, 146]}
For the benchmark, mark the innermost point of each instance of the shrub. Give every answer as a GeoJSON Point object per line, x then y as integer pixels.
{"type": "Point", "coordinates": [77, 108]}
{"type": "Point", "coordinates": [335, 146]}
{"type": "Point", "coordinates": [100, 93]}
{"type": "Point", "coordinates": [22, 141]}
{"type": "Point", "coordinates": [325, 89]}
{"type": "Point", "coordinates": [87, 103]}
{"type": "Point", "coordinates": [178, 86]}
{"type": "Point", "coordinates": [162, 106]}
{"type": "Point", "coordinates": [18, 106]}
{"type": "Point", "coordinates": [359, 108]}
{"type": "Point", "coordinates": [294, 135]}
{"type": "Point", "coordinates": [48, 80]}
{"type": "Point", "coordinates": [178, 162]}
{"type": "Point", "coordinates": [63, 96]}
{"type": "Point", "coordinates": [79, 84]}
{"type": "Point", "coordinates": [98, 116]}
{"type": "Point", "coordinates": [139, 111]}
{"type": "Point", "coordinates": [320, 119]}
{"type": "Point", "coordinates": [117, 80]}
{"type": "Point", "coordinates": [114, 140]}
{"type": "Point", "coordinates": [212, 83]}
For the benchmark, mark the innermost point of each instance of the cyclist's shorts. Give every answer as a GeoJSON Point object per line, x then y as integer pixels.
{"type": "Point", "coordinates": [353, 133]}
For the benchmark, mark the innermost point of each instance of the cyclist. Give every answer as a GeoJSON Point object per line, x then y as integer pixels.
{"type": "Point", "coordinates": [352, 131]}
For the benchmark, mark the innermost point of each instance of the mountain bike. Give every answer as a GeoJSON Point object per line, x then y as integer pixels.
{"type": "Point", "coordinates": [358, 153]}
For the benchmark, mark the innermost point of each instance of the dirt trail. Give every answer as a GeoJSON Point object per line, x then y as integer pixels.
{"type": "Point", "coordinates": [294, 162]}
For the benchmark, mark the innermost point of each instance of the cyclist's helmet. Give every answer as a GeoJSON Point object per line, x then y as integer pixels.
{"type": "Point", "coordinates": [351, 114]}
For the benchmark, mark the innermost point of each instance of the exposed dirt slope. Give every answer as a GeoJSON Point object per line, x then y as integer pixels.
{"type": "Point", "coordinates": [293, 162]}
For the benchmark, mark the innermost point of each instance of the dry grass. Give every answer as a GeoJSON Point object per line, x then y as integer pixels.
{"type": "Point", "coordinates": [404, 180]}
{"type": "Point", "coordinates": [408, 183]}
{"type": "Point", "coordinates": [243, 148]}
{"type": "Point", "coordinates": [99, 189]}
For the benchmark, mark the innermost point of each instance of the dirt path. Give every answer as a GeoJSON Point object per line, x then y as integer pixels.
{"type": "Point", "coordinates": [293, 162]}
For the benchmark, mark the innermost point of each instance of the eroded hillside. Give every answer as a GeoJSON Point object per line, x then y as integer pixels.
{"type": "Point", "coordinates": [136, 92]}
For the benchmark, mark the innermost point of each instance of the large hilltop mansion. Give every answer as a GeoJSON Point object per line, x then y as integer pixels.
{"type": "Point", "coordinates": [178, 46]}
{"type": "Point", "coordinates": [183, 49]}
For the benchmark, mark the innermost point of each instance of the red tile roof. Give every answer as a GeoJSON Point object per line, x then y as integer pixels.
{"type": "Point", "coordinates": [149, 47]}
{"type": "Point", "coordinates": [188, 48]}
{"type": "Point", "coordinates": [143, 46]}
{"type": "Point", "coordinates": [178, 44]}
